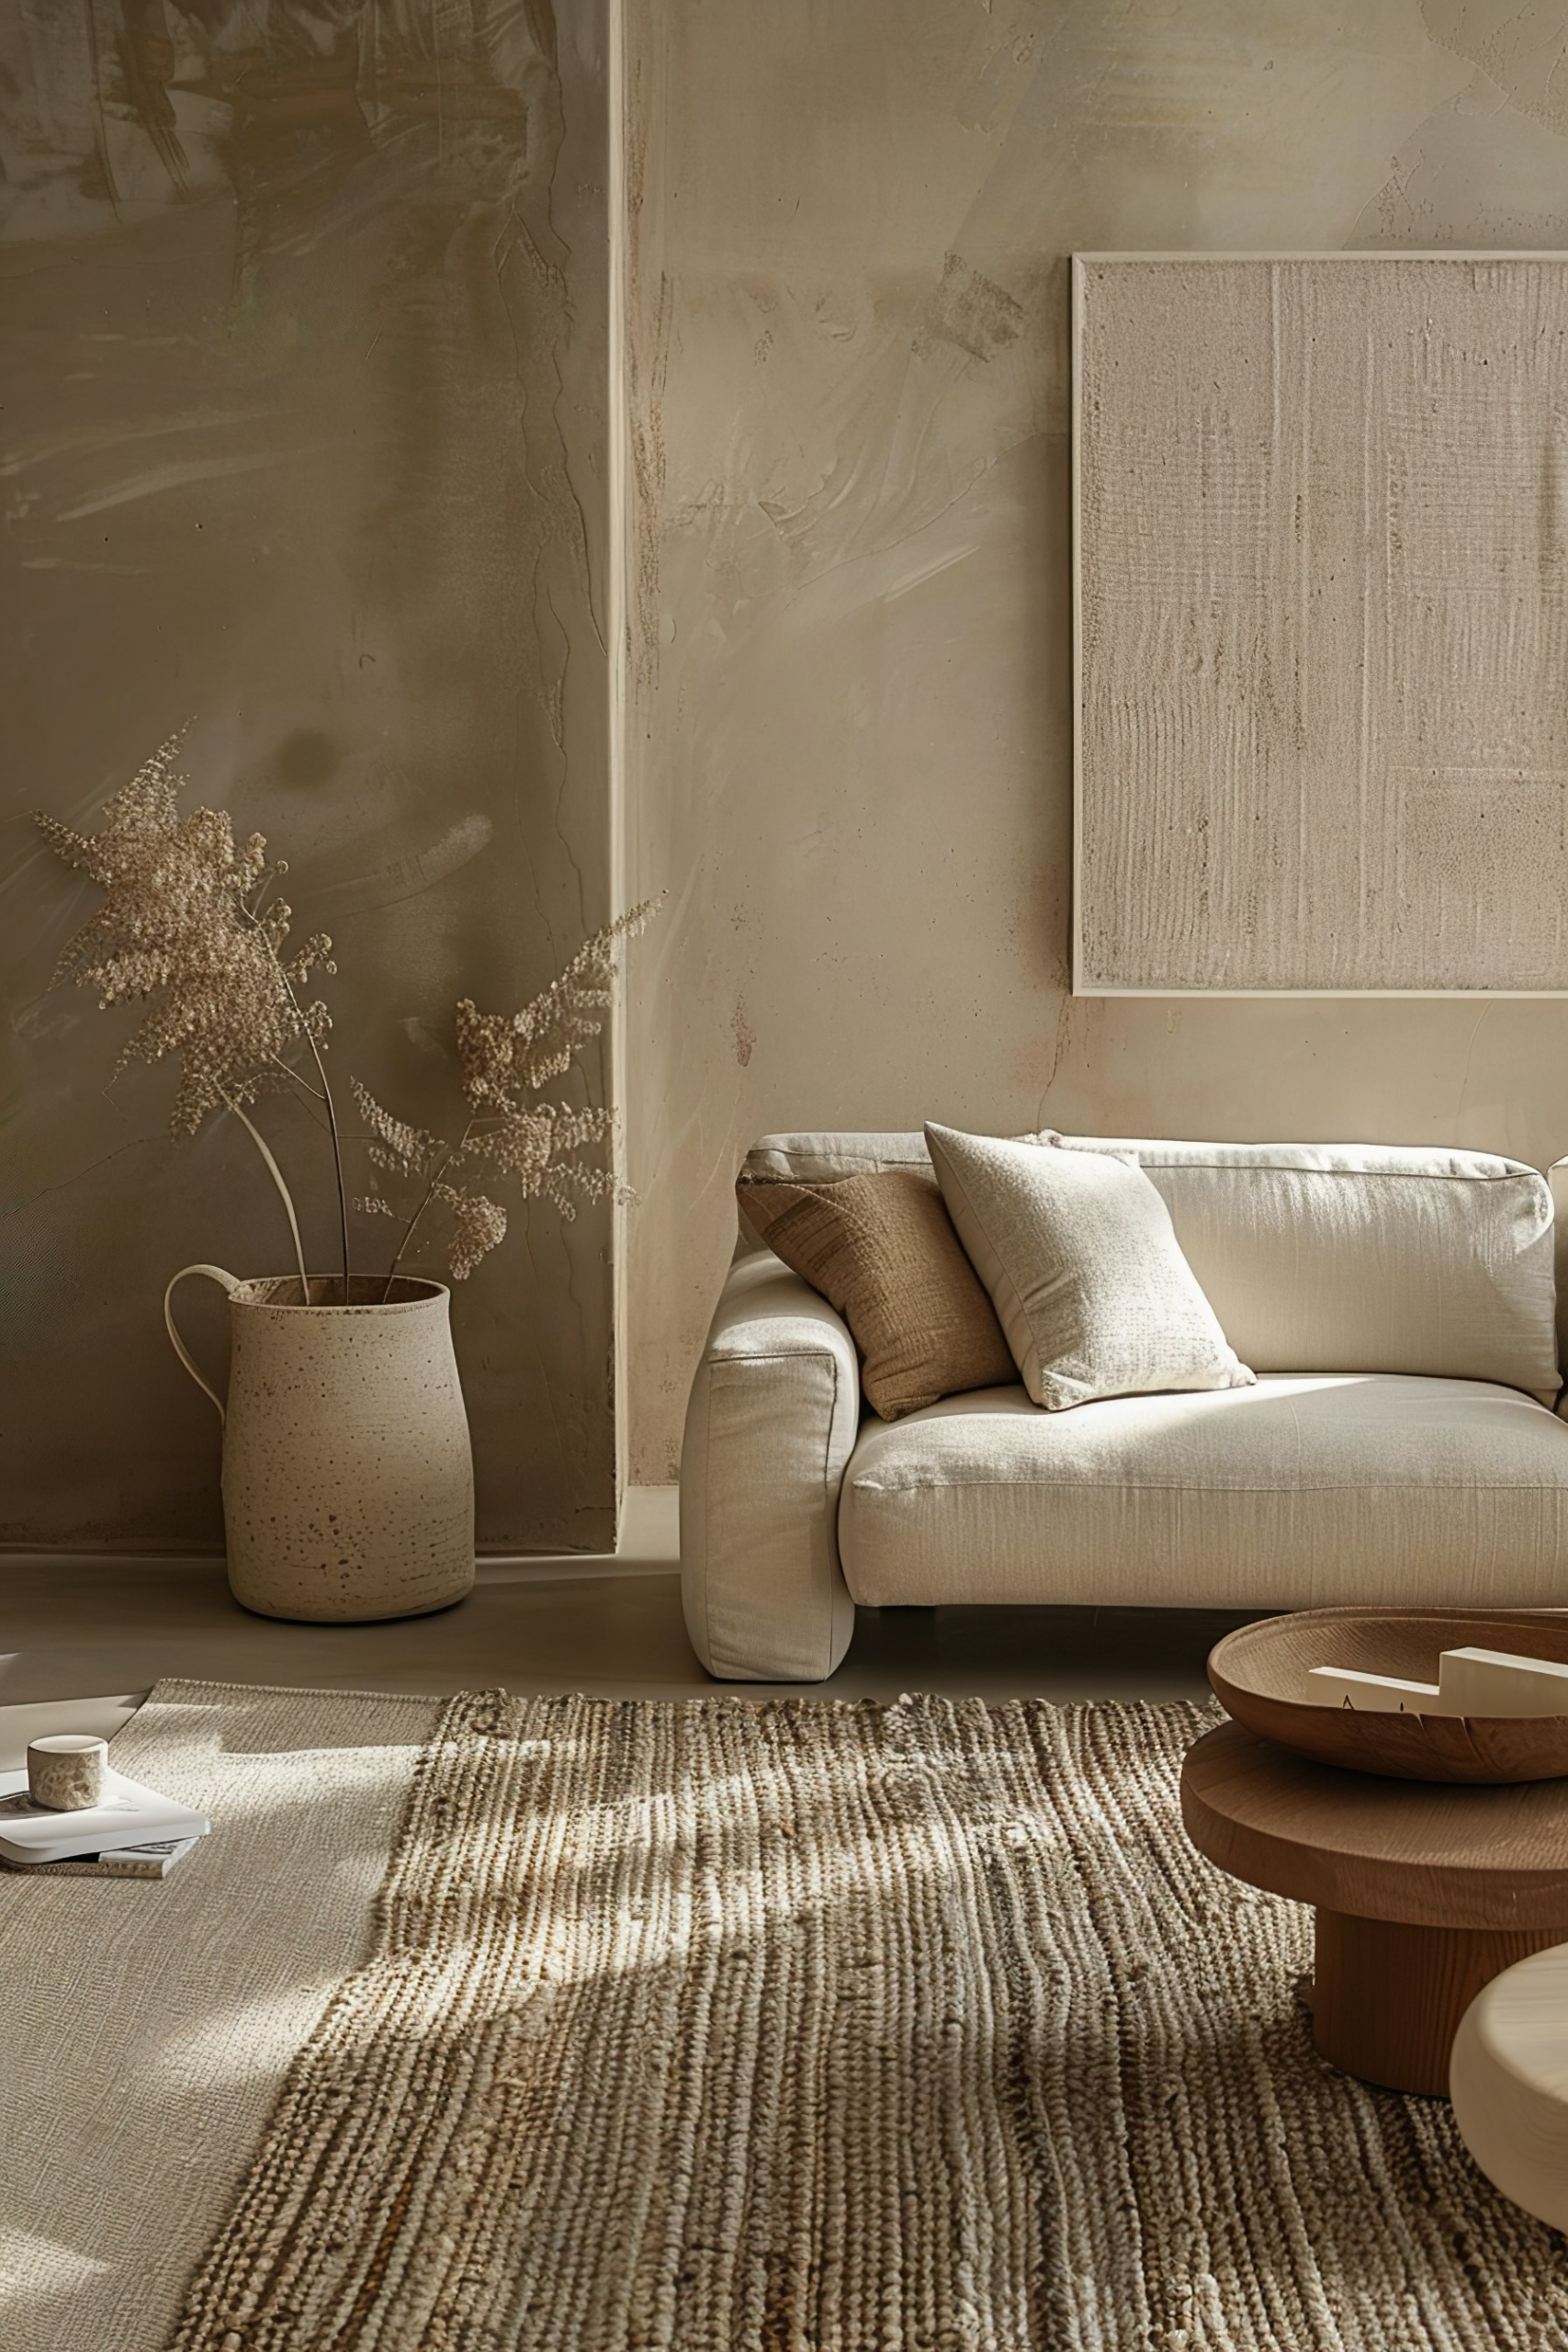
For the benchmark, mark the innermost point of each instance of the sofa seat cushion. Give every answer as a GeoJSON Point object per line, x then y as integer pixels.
{"type": "Point", "coordinates": [1306, 1491]}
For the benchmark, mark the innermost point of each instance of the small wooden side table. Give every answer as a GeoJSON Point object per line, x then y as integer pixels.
{"type": "Point", "coordinates": [1424, 1891]}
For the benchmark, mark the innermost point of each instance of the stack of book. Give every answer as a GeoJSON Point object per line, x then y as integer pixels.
{"type": "Point", "coordinates": [131, 1832]}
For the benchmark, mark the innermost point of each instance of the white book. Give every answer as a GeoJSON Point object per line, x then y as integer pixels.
{"type": "Point", "coordinates": [129, 1816]}
{"type": "Point", "coordinates": [156, 1859]}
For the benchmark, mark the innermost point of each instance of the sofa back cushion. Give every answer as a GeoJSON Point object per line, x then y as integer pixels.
{"type": "Point", "coordinates": [818, 1159]}
{"type": "Point", "coordinates": [1325, 1256]}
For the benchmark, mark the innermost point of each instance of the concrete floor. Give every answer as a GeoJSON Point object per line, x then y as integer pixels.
{"type": "Point", "coordinates": [98, 1633]}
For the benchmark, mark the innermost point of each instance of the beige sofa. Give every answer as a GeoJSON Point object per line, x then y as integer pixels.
{"type": "Point", "coordinates": [1401, 1443]}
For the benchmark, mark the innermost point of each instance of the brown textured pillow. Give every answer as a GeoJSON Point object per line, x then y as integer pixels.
{"type": "Point", "coordinates": [882, 1249]}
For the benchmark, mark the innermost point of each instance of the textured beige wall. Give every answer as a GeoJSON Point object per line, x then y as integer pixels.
{"type": "Point", "coordinates": [851, 736]}
{"type": "Point", "coordinates": [304, 434]}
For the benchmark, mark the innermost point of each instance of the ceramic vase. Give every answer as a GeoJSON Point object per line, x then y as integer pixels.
{"type": "Point", "coordinates": [348, 1480]}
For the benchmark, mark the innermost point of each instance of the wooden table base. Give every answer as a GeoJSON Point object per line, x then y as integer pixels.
{"type": "Point", "coordinates": [1424, 1891]}
{"type": "Point", "coordinates": [1387, 1998]}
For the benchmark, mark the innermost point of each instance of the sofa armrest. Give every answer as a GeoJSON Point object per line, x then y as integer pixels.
{"type": "Point", "coordinates": [1557, 1181]}
{"type": "Point", "coordinates": [772, 1422]}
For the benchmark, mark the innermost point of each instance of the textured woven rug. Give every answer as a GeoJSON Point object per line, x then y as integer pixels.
{"type": "Point", "coordinates": [811, 2028]}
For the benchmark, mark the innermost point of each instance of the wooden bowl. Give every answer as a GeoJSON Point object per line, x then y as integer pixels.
{"type": "Point", "coordinates": [1260, 1672]}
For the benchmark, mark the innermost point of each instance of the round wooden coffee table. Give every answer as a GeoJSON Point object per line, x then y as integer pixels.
{"type": "Point", "coordinates": [1424, 1891]}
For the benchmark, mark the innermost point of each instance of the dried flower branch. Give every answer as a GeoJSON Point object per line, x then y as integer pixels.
{"type": "Point", "coordinates": [397, 1147]}
{"type": "Point", "coordinates": [179, 929]}
{"type": "Point", "coordinates": [507, 1054]}
{"type": "Point", "coordinates": [544, 1148]}
{"type": "Point", "coordinates": [477, 1225]}
{"type": "Point", "coordinates": [187, 926]}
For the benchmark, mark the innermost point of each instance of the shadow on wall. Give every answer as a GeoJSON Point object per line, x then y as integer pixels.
{"type": "Point", "coordinates": [306, 436]}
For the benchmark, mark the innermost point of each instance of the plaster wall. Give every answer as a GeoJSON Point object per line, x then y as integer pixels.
{"type": "Point", "coordinates": [849, 734]}
{"type": "Point", "coordinates": [304, 436]}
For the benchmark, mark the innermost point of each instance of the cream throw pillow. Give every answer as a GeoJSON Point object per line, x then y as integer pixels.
{"type": "Point", "coordinates": [1079, 1255]}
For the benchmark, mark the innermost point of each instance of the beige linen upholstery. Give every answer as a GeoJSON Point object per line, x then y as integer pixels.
{"type": "Point", "coordinates": [1301, 1492]}
{"type": "Point", "coordinates": [1078, 1252]}
{"type": "Point", "coordinates": [1365, 1256]}
{"type": "Point", "coordinates": [816, 1158]}
{"type": "Point", "coordinates": [824, 1158]}
{"type": "Point", "coordinates": [771, 1425]}
{"type": "Point", "coordinates": [1557, 1181]}
{"type": "Point", "coordinates": [1439, 1482]}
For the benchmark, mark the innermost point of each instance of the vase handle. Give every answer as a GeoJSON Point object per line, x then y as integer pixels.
{"type": "Point", "coordinates": [228, 1283]}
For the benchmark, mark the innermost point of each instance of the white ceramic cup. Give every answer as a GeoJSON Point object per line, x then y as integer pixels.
{"type": "Point", "coordinates": [65, 1772]}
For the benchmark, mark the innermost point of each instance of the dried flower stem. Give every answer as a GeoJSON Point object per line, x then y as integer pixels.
{"type": "Point", "coordinates": [337, 1165]}
{"type": "Point", "coordinates": [277, 1174]}
{"type": "Point", "coordinates": [429, 1195]}
{"type": "Point", "coordinates": [454, 1151]}
{"type": "Point", "coordinates": [289, 1071]}
{"type": "Point", "coordinates": [326, 1095]}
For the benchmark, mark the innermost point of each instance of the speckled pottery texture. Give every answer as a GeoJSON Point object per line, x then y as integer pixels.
{"type": "Point", "coordinates": [348, 1480]}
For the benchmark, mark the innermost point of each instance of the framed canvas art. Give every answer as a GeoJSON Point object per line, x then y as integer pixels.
{"type": "Point", "coordinates": [1321, 624]}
